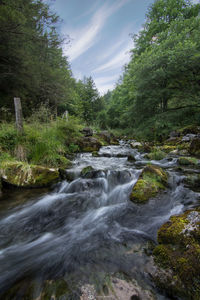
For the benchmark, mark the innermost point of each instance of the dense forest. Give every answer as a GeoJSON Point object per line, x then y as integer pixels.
{"type": "Point", "coordinates": [158, 91]}
{"type": "Point", "coordinates": [160, 87]}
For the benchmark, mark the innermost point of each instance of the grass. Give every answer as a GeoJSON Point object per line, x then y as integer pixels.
{"type": "Point", "coordinates": [44, 143]}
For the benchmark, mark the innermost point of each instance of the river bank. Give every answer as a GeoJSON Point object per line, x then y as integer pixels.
{"type": "Point", "coordinates": [87, 235]}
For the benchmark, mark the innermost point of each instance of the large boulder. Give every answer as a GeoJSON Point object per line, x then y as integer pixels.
{"type": "Point", "coordinates": [177, 256]}
{"type": "Point", "coordinates": [89, 144]}
{"type": "Point", "coordinates": [195, 147]}
{"type": "Point", "coordinates": [21, 174]}
{"type": "Point", "coordinates": [152, 180]}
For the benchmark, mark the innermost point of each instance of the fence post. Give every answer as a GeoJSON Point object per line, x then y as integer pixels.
{"type": "Point", "coordinates": [18, 114]}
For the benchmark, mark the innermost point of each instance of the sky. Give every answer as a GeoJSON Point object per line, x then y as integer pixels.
{"type": "Point", "coordinates": [100, 36]}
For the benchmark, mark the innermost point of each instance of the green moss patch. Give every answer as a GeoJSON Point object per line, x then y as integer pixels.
{"type": "Point", "coordinates": [152, 180]}
{"type": "Point", "coordinates": [186, 161]}
{"type": "Point", "coordinates": [179, 251]}
{"type": "Point", "coordinates": [21, 174]}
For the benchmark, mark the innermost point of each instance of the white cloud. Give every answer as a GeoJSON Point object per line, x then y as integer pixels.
{"type": "Point", "coordinates": [103, 88]}
{"type": "Point", "coordinates": [106, 83]}
{"type": "Point", "coordinates": [121, 58]}
{"type": "Point", "coordinates": [83, 39]}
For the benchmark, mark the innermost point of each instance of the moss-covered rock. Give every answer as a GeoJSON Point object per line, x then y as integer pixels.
{"type": "Point", "coordinates": [21, 174]}
{"type": "Point", "coordinates": [86, 170]}
{"type": "Point", "coordinates": [167, 148]}
{"type": "Point", "coordinates": [178, 252]}
{"type": "Point", "coordinates": [89, 144]}
{"type": "Point", "coordinates": [156, 155]}
{"type": "Point", "coordinates": [63, 162]}
{"type": "Point", "coordinates": [186, 161]}
{"type": "Point", "coordinates": [192, 181]}
{"type": "Point", "coordinates": [194, 148]}
{"type": "Point", "coordinates": [95, 153]}
{"type": "Point", "coordinates": [152, 180]}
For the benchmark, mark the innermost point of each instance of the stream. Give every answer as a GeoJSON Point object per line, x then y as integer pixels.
{"type": "Point", "coordinates": [88, 227]}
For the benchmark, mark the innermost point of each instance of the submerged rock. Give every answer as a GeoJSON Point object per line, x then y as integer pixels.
{"type": "Point", "coordinates": [177, 257]}
{"type": "Point", "coordinates": [21, 174]}
{"type": "Point", "coordinates": [152, 180]}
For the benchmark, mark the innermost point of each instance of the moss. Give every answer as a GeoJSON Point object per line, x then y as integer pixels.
{"type": "Point", "coordinates": [168, 148]}
{"type": "Point", "coordinates": [156, 155]}
{"type": "Point", "coordinates": [161, 254]}
{"type": "Point", "coordinates": [24, 175]}
{"type": "Point", "coordinates": [185, 161]}
{"type": "Point", "coordinates": [194, 148]}
{"type": "Point", "coordinates": [55, 289]}
{"type": "Point", "coordinates": [179, 250]}
{"type": "Point", "coordinates": [86, 170]}
{"type": "Point", "coordinates": [151, 181]}
{"type": "Point", "coordinates": [64, 162]}
{"type": "Point", "coordinates": [95, 153]}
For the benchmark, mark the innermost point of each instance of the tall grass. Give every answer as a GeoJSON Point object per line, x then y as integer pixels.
{"type": "Point", "coordinates": [44, 143]}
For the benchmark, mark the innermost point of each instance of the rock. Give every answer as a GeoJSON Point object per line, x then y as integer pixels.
{"type": "Point", "coordinates": [0, 186]}
{"type": "Point", "coordinates": [192, 129]}
{"type": "Point", "coordinates": [156, 155]}
{"type": "Point", "coordinates": [87, 131]}
{"type": "Point", "coordinates": [106, 138]}
{"type": "Point", "coordinates": [21, 174]}
{"type": "Point", "coordinates": [146, 147]}
{"type": "Point", "coordinates": [152, 180]}
{"type": "Point", "coordinates": [188, 137]}
{"type": "Point", "coordinates": [131, 158]}
{"type": "Point", "coordinates": [95, 153]}
{"type": "Point", "coordinates": [86, 170]}
{"type": "Point", "coordinates": [136, 145]}
{"type": "Point", "coordinates": [89, 144]}
{"type": "Point", "coordinates": [120, 288]}
{"type": "Point", "coordinates": [63, 162]}
{"type": "Point", "coordinates": [88, 292]}
{"type": "Point", "coordinates": [186, 161]}
{"type": "Point", "coordinates": [178, 256]}
{"type": "Point", "coordinates": [174, 152]}
{"type": "Point", "coordinates": [168, 148]}
{"type": "Point", "coordinates": [174, 134]}
{"type": "Point", "coordinates": [194, 148]}
{"type": "Point", "coordinates": [192, 181]}
{"type": "Point", "coordinates": [56, 289]}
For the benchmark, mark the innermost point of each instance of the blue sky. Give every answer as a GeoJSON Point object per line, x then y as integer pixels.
{"type": "Point", "coordinates": [100, 36]}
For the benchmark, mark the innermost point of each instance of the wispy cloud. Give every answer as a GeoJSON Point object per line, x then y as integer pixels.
{"type": "Point", "coordinates": [106, 83]}
{"type": "Point", "coordinates": [84, 39]}
{"type": "Point", "coordinates": [121, 58]}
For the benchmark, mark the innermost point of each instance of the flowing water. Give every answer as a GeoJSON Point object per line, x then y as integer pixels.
{"type": "Point", "coordinates": [87, 227]}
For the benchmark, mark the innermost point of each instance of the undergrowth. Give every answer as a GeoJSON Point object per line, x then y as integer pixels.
{"type": "Point", "coordinates": [44, 143]}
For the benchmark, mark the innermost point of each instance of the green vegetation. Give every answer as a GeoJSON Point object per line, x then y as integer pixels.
{"type": "Point", "coordinates": [159, 90]}
{"type": "Point", "coordinates": [45, 144]}
{"type": "Point", "coordinates": [185, 161]}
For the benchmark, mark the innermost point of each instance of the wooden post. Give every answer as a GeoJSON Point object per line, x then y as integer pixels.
{"type": "Point", "coordinates": [18, 114]}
